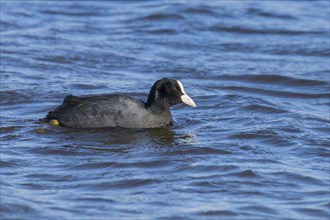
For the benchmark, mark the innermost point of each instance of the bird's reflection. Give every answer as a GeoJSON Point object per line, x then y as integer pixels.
{"type": "Point", "coordinates": [120, 137]}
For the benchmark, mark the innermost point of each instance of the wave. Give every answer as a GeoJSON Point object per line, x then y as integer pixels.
{"type": "Point", "coordinates": [251, 30]}
{"type": "Point", "coordinates": [69, 13]}
{"type": "Point", "coordinates": [274, 79]}
{"type": "Point", "coordinates": [275, 93]}
{"type": "Point", "coordinates": [162, 17]}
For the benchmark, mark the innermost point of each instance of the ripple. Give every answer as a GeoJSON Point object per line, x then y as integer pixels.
{"type": "Point", "coordinates": [162, 17]}
{"type": "Point", "coordinates": [93, 199]}
{"type": "Point", "coordinates": [161, 31]}
{"type": "Point", "coordinates": [276, 93]}
{"type": "Point", "coordinates": [144, 164]}
{"type": "Point", "coordinates": [81, 86]}
{"type": "Point", "coordinates": [14, 97]}
{"type": "Point", "coordinates": [11, 210]}
{"type": "Point", "coordinates": [275, 79]}
{"type": "Point", "coordinates": [264, 136]}
{"type": "Point", "coordinates": [264, 109]}
{"type": "Point", "coordinates": [302, 51]}
{"type": "Point", "coordinates": [189, 123]}
{"type": "Point", "coordinates": [258, 208]}
{"type": "Point", "coordinates": [8, 164]}
{"type": "Point", "coordinates": [67, 151]}
{"type": "Point", "coordinates": [313, 212]}
{"type": "Point", "coordinates": [71, 13]}
{"type": "Point", "coordinates": [199, 10]}
{"type": "Point", "coordinates": [244, 174]}
{"type": "Point", "coordinates": [10, 129]}
{"type": "Point", "coordinates": [219, 213]}
{"type": "Point", "coordinates": [45, 177]}
{"type": "Point", "coordinates": [296, 177]}
{"type": "Point", "coordinates": [87, 166]}
{"type": "Point", "coordinates": [113, 165]}
{"type": "Point", "coordinates": [205, 169]}
{"type": "Point", "coordinates": [255, 31]}
{"type": "Point", "coordinates": [269, 14]}
{"type": "Point", "coordinates": [197, 151]}
{"type": "Point", "coordinates": [125, 184]}
{"type": "Point", "coordinates": [254, 134]}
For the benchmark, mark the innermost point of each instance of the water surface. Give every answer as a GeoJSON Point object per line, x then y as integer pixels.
{"type": "Point", "coordinates": [256, 147]}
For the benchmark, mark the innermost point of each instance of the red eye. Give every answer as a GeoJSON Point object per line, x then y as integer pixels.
{"type": "Point", "coordinates": [174, 88]}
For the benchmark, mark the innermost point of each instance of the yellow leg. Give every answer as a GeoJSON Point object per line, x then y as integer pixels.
{"type": "Point", "coordinates": [54, 122]}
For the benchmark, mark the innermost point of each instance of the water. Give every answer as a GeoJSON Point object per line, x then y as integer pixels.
{"type": "Point", "coordinates": [256, 147]}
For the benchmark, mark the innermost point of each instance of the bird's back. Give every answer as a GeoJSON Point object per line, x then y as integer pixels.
{"type": "Point", "coordinates": [106, 111]}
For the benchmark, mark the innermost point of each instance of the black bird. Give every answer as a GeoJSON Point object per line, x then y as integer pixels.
{"type": "Point", "coordinates": [120, 110]}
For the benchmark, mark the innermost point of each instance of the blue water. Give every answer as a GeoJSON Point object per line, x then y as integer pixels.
{"type": "Point", "coordinates": [256, 146]}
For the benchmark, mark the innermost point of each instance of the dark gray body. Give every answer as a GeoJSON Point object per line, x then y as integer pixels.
{"type": "Point", "coordinates": [122, 111]}
{"type": "Point", "coordinates": [109, 111]}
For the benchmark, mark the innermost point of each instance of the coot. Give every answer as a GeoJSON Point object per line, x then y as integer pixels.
{"type": "Point", "coordinates": [120, 110]}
